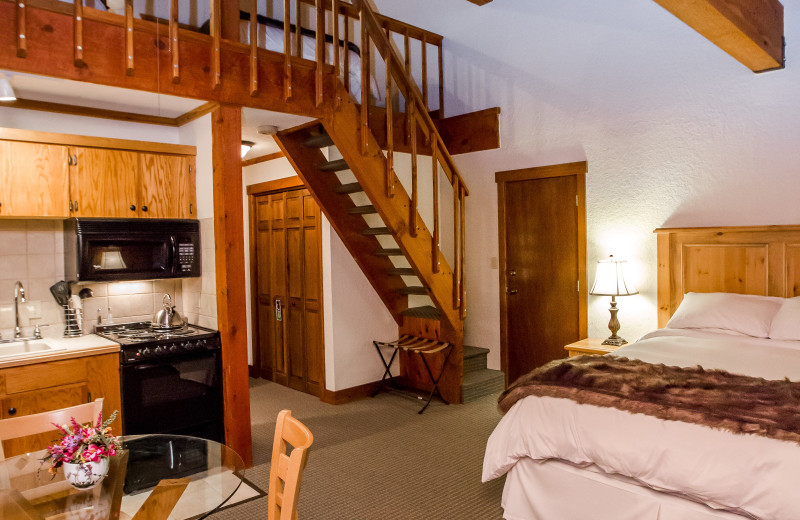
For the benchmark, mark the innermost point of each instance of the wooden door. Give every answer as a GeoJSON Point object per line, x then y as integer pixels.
{"type": "Point", "coordinates": [288, 289]}
{"type": "Point", "coordinates": [104, 183]}
{"type": "Point", "coordinates": [161, 185]}
{"type": "Point", "coordinates": [543, 302]}
{"type": "Point", "coordinates": [33, 180]}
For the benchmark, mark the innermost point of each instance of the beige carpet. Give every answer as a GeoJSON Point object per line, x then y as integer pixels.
{"type": "Point", "coordinates": [378, 459]}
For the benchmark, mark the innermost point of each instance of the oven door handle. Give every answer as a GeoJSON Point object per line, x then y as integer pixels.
{"type": "Point", "coordinates": [173, 253]}
{"type": "Point", "coordinates": [145, 366]}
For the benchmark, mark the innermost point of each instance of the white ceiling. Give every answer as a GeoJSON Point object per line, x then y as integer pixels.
{"type": "Point", "coordinates": [78, 93]}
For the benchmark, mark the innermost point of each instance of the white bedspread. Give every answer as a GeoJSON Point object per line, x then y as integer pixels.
{"type": "Point", "coordinates": [746, 474]}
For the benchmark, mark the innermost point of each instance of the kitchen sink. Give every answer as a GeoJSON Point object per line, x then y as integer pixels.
{"type": "Point", "coordinates": [23, 348]}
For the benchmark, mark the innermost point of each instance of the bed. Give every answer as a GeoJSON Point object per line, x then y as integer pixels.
{"type": "Point", "coordinates": [563, 460]}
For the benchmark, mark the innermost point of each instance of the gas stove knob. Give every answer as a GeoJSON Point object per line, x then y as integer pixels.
{"type": "Point", "coordinates": [145, 352]}
{"type": "Point", "coordinates": [173, 348]}
{"type": "Point", "coordinates": [159, 350]}
{"type": "Point", "coordinates": [202, 343]}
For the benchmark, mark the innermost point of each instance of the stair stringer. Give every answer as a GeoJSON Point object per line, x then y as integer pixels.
{"type": "Point", "coordinates": [306, 162]}
{"type": "Point", "coordinates": [369, 169]}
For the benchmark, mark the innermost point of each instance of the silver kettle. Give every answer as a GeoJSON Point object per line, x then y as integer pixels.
{"type": "Point", "coordinates": [167, 318]}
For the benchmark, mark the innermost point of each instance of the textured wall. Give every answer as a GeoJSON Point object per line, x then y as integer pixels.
{"type": "Point", "coordinates": [676, 133]}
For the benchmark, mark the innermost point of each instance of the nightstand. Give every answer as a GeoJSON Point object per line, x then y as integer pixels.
{"type": "Point", "coordinates": [590, 346]}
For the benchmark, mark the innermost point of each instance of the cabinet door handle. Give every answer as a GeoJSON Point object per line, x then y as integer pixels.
{"type": "Point", "coordinates": [76, 205]}
{"type": "Point", "coordinates": [133, 207]}
{"type": "Point", "coordinates": [191, 210]}
{"type": "Point", "coordinates": [144, 208]}
{"type": "Point", "coordinates": [69, 160]}
{"type": "Point", "coordinates": [12, 411]}
{"type": "Point", "coordinates": [75, 160]}
{"type": "Point", "coordinates": [70, 207]}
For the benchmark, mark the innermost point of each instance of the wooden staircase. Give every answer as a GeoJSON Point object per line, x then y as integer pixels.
{"type": "Point", "coordinates": [353, 179]}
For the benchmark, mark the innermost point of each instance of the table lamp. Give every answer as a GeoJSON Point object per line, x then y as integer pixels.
{"type": "Point", "coordinates": [610, 281]}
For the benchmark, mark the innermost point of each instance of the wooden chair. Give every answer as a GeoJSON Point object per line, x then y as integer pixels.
{"type": "Point", "coordinates": [33, 424]}
{"type": "Point", "coordinates": [285, 472]}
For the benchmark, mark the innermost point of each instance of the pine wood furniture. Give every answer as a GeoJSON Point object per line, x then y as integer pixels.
{"type": "Point", "coordinates": [590, 346]}
{"type": "Point", "coordinates": [43, 387]}
{"type": "Point", "coordinates": [57, 175]}
{"type": "Point", "coordinates": [763, 260]}
{"type": "Point", "coordinates": [286, 469]}
{"type": "Point", "coordinates": [38, 423]}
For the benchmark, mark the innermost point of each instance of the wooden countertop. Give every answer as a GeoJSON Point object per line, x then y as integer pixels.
{"type": "Point", "coordinates": [68, 348]}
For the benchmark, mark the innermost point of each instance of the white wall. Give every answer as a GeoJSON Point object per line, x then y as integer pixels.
{"type": "Point", "coordinates": [675, 131]}
{"type": "Point", "coordinates": [353, 313]}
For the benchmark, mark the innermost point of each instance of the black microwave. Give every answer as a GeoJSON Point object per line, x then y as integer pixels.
{"type": "Point", "coordinates": [110, 250]}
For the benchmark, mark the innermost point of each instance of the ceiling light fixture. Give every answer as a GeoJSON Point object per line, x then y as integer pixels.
{"type": "Point", "coordinates": [246, 145]}
{"type": "Point", "coordinates": [6, 91]}
{"type": "Point", "coordinates": [267, 129]}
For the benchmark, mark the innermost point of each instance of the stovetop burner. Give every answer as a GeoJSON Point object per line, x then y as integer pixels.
{"type": "Point", "coordinates": [142, 332]}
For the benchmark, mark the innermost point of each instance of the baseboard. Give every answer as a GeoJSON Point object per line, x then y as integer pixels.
{"type": "Point", "coordinates": [252, 371]}
{"type": "Point", "coordinates": [348, 395]}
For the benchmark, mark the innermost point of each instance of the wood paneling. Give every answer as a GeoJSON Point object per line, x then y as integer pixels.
{"type": "Point", "coordinates": [762, 260]}
{"type": "Point", "coordinates": [161, 182]}
{"type": "Point", "coordinates": [33, 180]}
{"type": "Point", "coordinates": [104, 183]}
{"type": "Point", "coordinates": [749, 30]}
{"type": "Point", "coordinates": [226, 128]}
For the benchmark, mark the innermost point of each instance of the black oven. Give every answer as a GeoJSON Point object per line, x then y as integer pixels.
{"type": "Point", "coordinates": [104, 250]}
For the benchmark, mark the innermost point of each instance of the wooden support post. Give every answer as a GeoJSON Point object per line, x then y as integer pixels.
{"type": "Point", "coordinates": [346, 75]}
{"type": "Point", "coordinates": [336, 57]}
{"type": "Point", "coordinates": [389, 132]}
{"type": "Point", "coordinates": [129, 66]}
{"type": "Point", "coordinates": [407, 50]}
{"type": "Point", "coordinates": [441, 82]}
{"type": "Point", "coordinates": [174, 48]}
{"type": "Point", "coordinates": [435, 177]}
{"type": "Point", "coordinates": [226, 132]}
{"type": "Point", "coordinates": [78, 32]}
{"type": "Point", "coordinates": [749, 30]}
{"type": "Point", "coordinates": [412, 223]}
{"type": "Point", "coordinates": [456, 251]}
{"type": "Point", "coordinates": [365, 70]}
{"type": "Point", "coordinates": [462, 253]}
{"type": "Point", "coordinates": [216, 30]}
{"type": "Point", "coordinates": [287, 50]}
{"type": "Point", "coordinates": [253, 47]}
{"type": "Point", "coordinates": [425, 73]}
{"type": "Point", "coordinates": [319, 52]}
{"type": "Point", "coordinates": [22, 42]}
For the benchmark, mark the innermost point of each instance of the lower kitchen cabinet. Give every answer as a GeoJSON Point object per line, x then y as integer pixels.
{"type": "Point", "coordinates": [42, 387]}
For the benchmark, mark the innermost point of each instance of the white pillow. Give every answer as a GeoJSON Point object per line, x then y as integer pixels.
{"type": "Point", "coordinates": [744, 313]}
{"type": "Point", "coordinates": [786, 323]}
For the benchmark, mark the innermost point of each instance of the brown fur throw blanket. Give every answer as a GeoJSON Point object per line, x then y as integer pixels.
{"type": "Point", "coordinates": [714, 398]}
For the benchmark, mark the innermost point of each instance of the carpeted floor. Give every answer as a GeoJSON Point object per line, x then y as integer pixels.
{"type": "Point", "coordinates": [378, 459]}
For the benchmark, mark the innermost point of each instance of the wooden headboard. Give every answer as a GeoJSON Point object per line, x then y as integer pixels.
{"type": "Point", "coordinates": [762, 260]}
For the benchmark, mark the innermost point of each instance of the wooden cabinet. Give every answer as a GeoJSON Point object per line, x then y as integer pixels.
{"type": "Point", "coordinates": [33, 180]}
{"type": "Point", "coordinates": [42, 387]}
{"type": "Point", "coordinates": [76, 176]}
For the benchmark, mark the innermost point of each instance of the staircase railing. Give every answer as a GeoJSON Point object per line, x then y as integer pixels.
{"type": "Point", "coordinates": [417, 118]}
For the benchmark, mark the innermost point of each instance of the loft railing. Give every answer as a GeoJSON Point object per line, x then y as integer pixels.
{"type": "Point", "coordinates": [375, 31]}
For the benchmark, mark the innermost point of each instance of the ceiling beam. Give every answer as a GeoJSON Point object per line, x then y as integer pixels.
{"type": "Point", "coordinates": [749, 30]}
{"type": "Point", "coordinates": [60, 108]}
{"type": "Point", "coordinates": [263, 158]}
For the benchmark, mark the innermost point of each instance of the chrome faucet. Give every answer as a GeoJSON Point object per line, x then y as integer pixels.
{"type": "Point", "coordinates": [19, 296]}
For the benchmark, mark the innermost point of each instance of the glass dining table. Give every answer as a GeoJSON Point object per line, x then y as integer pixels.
{"type": "Point", "coordinates": [155, 477]}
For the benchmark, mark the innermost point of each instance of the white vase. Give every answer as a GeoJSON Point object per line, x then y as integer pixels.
{"type": "Point", "coordinates": [85, 476]}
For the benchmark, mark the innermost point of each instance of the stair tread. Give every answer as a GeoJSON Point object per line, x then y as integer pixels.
{"type": "Point", "coordinates": [352, 187]}
{"type": "Point", "coordinates": [362, 210]}
{"type": "Point", "coordinates": [470, 351]}
{"type": "Point", "coordinates": [428, 312]}
{"type": "Point", "coordinates": [388, 252]}
{"type": "Point", "coordinates": [318, 141]}
{"type": "Point", "coordinates": [413, 290]}
{"type": "Point", "coordinates": [334, 166]}
{"type": "Point", "coordinates": [401, 271]}
{"type": "Point", "coordinates": [376, 231]}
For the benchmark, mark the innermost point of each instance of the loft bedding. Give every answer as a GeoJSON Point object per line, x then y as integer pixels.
{"type": "Point", "coordinates": [746, 474]}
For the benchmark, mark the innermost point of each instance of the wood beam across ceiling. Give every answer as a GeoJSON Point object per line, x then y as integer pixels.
{"type": "Point", "coordinates": [749, 30]}
{"type": "Point", "coordinates": [263, 158]}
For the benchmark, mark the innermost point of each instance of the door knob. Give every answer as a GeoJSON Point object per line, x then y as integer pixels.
{"type": "Point", "coordinates": [512, 291]}
{"type": "Point", "coordinates": [512, 273]}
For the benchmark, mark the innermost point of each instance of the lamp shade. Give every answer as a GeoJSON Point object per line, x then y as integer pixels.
{"type": "Point", "coordinates": [246, 145]}
{"type": "Point", "coordinates": [6, 91]}
{"type": "Point", "coordinates": [111, 260]}
{"type": "Point", "coordinates": [610, 279]}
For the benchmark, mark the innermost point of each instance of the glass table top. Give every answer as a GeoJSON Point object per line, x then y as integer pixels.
{"type": "Point", "coordinates": [155, 477]}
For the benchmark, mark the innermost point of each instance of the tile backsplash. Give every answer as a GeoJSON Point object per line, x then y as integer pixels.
{"type": "Point", "coordinates": [32, 252]}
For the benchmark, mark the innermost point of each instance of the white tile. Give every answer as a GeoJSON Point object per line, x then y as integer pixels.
{"type": "Point", "coordinates": [124, 288]}
{"type": "Point", "coordinates": [13, 242]}
{"type": "Point", "coordinates": [120, 306]}
{"type": "Point", "coordinates": [192, 285]}
{"type": "Point", "coordinates": [59, 239]}
{"type": "Point", "coordinates": [98, 289]}
{"type": "Point", "coordinates": [164, 286]}
{"type": "Point", "coordinates": [36, 289]}
{"type": "Point", "coordinates": [7, 317]}
{"type": "Point", "coordinates": [41, 241]}
{"type": "Point", "coordinates": [13, 267]}
{"type": "Point", "coordinates": [13, 225]}
{"type": "Point", "coordinates": [41, 225]}
{"type": "Point", "coordinates": [206, 321]}
{"type": "Point", "coordinates": [42, 266]}
{"type": "Point", "coordinates": [7, 291]}
{"type": "Point", "coordinates": [208, 305]}
{"type": "Point", "coordinates": [91, 307]}
{"type": "Point", "coordinates": [208, 284]}
{"type": "Point", "coordinates": [140, 304]}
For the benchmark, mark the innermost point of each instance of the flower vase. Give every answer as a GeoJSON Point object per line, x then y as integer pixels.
{"type": "Point", "coordinates": [86, 475]}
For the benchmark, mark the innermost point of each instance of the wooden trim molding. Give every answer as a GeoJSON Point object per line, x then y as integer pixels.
{"type": "Point", "coordinates": [276, 185]}
{"type": "Point", "coordinates": [542, 172]}
{"type": "Point", "coordinates": [77, 110]}
{"type": "Point", "coordinates": [348, 395]}
{"type": "Point", "coordinates": [31, 136]}
{"type": "Point", "coordinates": [196, 113]}
{"type": "Point", "coordinates": [263, 158]}
{"type": "Point", "coordinates": [751, 31]}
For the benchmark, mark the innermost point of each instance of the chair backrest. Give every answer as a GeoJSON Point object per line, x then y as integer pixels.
{"type": "Point", "coordinates": [286, 470]}
{"type": "Point", "coordinates": [33, 424]}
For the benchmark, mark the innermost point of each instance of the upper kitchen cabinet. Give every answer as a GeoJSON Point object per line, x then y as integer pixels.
{"type": "Point", "coordinates": [33, 180]}
{"type": "Point", "coordinates": [59, 175]}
